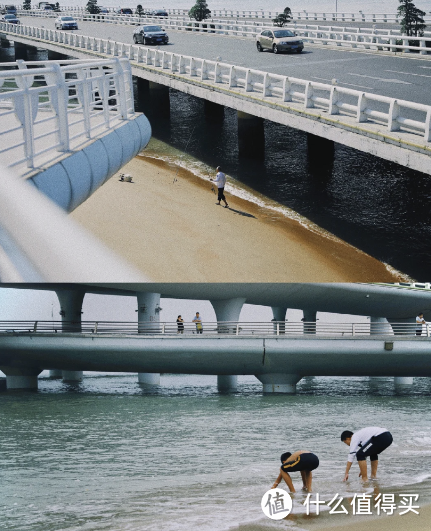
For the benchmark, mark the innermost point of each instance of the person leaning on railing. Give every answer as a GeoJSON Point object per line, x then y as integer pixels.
{"type": "Point", "coordinates": [180, 325]}
{"type": "Point", "coordinates": [419, 322]}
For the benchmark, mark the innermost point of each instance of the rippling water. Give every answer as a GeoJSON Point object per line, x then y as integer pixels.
{"type": "Point", "coordinates": [109, 455]}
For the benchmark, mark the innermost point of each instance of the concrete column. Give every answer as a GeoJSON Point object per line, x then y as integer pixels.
{"type": "Point", "coordinates": [55, 373]}
{"type": "Point", "coordinates": [309, 321]}
{"type": "Point", "coordinates": [148, 323]}
{"type": "Point", "coordinates": [227, 310]}
{"type": "Point", "coordinates": [71, 310]}
{"type": "Point", "coordinates": [159, 98]}
{"type": "Point", "coordinates": [378, 326]}
{"type": "Point", "coordinates": [279, 383]}
{"type": "Point", "coordinates": [251, 137]}
{"type": "Point", "coordinates": [21, 378]}
{"type": "Point", "coordinates": [20, 51]}
{"type": "Point", "coordinates": [320, 150]}
{"type": "Point", "coordinates": [214, 112]}
{"type": "Point", "coordinates": [4, 43]}
{"type": "Point", "coordinates": [279, 313]}
{"type": "Point", "coordinates": [403, 381]}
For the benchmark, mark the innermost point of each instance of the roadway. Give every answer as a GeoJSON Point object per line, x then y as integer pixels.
{"type": "Point", "coordinates": [407, 78]}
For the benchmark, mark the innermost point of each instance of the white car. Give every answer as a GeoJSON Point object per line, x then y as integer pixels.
{"type": "Point", "coordinates": [64, 23]}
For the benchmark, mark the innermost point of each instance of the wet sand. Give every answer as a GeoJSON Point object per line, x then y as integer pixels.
{"type": "Point", "coordinates": [167, 224]}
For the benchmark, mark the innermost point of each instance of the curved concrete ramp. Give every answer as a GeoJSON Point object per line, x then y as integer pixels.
{"type": "Point", "coordinates": [72, 180]}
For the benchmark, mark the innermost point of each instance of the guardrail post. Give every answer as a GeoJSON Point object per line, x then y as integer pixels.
{"type": "Point", "coordinates": [96, 324]}
{"type": "Point", "coordinates": [427, 327]}
{"type": "Point", "coordinates": [333, 100]}
{"type": "Point", "coordinates": [232, 77]}
{"type": "Point", "coordinates": [428, 127]}
{"type": "Point", "coordinates": [163, 328]}
{"type": "Point", "coordinates": [423, 47]}
{"type": "Point", "coordinates": [237, 329]}
{"type": "Point", "coordinates": [394, 112]}
{"type": "Point", "coordinates": [286, 89]}
{"type": "Point", "coordinates": [35, 326]}
{"type": "Point", "coordinates": [308, 96]}
{"type": "Point", "coordinates": [278, 328]}
{"type": "Point", "coordinates": [353, 329]}
{"type": "Point", "coordinates": [362, 105]}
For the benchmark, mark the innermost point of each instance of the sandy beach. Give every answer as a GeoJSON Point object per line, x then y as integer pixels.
{"type": "Point", "coordinates": [166, 222]}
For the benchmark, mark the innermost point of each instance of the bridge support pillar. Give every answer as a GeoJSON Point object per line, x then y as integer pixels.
{"type": "Point", "coordinates": [227, 383]}
{"type": "Point", "coordinates": [159, 98]}
{"type": "Point", "coordinates": [279, 383]}
{"type": "Point", "coordinates": [148, 322]}
{"type": "Point", "coordinates": [320, 150]}
{"type": "Point", "coordinates": [402, 381]}
{"type": "Point", "coordinates": [279, 313]}
{"type": "Point", "coordinates": [21, 378]}
{"type": "Point", "coordinates": [378, 325]}
{"type": "Point", "coordinates": [4, 43]}
{"type": "Point", "coordinates": [309, 320]}
{"type": "Point", "coordinates": [71, 310]}
{"type": "Point", "coordinates": [251, 137]}
{"type": "Point", "coordinates": [227, 310]}
{"type": "Point", "coordinates": [72, 376]}
{"type": "Point", "coordinates": [21, 51]}
{"type": "Point", "coordinates": [214, 112]}
{"type": "Point", "coordinates": [55, 373]}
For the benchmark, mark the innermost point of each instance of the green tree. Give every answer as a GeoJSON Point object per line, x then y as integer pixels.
{"type": "Point", "coordinates": [139, 10]}
{"type": "Point", "coordinates": [27, 4]}
{"type": "Point", "coordinates": [412, 22]}
{"type": "Point", "coordinates": [92, 7]}
{"type": "Point", "coordinates": [283, 18]}
{"type": "Point", "coordinates": [200, 11]}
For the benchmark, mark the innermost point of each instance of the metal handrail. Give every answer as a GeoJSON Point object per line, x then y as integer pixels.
{"type": "Point", "coordinates": [385, 113]}
{"type": "Point", "coordinates": [225, 328]}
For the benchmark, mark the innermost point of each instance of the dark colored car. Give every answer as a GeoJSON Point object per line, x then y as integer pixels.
{"type": "Point", "coordinates": [159, 13]}
{"type": "Point", "coordinates": [124, 11]}
{"type": "Point", "coordinates": [150, 35]}
{"type": "Point", "coordinates": [10, 19]}
{"type": "Point", "coordinates": [279, 40]}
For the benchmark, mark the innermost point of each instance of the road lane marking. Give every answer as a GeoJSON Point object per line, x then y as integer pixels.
{"type": "Point", "coordinates": [408, 73]}
{"type": "Point", "coordinates": [385, 80]}
{"type": "Point", "coordinates": [343, 83]}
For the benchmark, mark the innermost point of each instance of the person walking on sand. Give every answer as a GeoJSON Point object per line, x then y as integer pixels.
{"type": "Point", "coordinates": [419, 322]}
{"type": "Point", "coordinates": [301, 461]}
{"type": "Point", "coordinates": [363, 443]}
{"type": "Point", "coordinates": [220, 181]}
{"type": "Point", "coordinates": [198, 321]}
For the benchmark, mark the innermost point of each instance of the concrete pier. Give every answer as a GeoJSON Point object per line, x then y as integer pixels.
{"type": "Point", "coordinates": [279, 383]}
{"type": "Point", "coordinates": [251, 137]}
{"type": "Point", "coordinates": [213, 111]}
{"type": "Point", "coordinates": [72, 376]}
{"type": "Point", "coordinates": [279, 313]}
{"type": "Point", "coordinates": [21, 51]}
{"type": "Point", "coordinates": [21, 378]}
{"type": "Point", "coordinates": [55, 374]}
{"type": "Point", "coordinates": [227, 310]}
{"type": "Point", "coordinates": [309, 320]}
{"type": "Point", "coordinates": [148, 322]}
{"type": "Point", "coordinates": [320, 150]}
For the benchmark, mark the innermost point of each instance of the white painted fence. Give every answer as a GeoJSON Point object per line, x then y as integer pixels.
{"type": "Point", "coordinates": [389, 113]}
{"type": "Point", "coordinates": [40, 243]}
{"type": "Point", "coordinates": [264, 14]}
{"type": "Point", "coordinates": [367, 38]}
{"type": "Point", "coordinates": [49, 107]}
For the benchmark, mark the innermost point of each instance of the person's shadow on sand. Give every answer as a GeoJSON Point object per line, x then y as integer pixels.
{"type": "Point", "coordinates": [241, 213]}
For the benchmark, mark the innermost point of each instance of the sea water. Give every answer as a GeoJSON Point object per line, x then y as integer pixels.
{"type": "Point", "coordinates": [107, 454]}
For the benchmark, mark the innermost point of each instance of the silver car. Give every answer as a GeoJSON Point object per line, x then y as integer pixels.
{"type": "Point", "coordinates": [64, 23]}
{"type": "Point", "coordinates": [279, 40]}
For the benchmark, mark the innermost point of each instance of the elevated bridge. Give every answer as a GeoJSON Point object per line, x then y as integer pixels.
{"type": "Point", "coordinates": [391, 128]}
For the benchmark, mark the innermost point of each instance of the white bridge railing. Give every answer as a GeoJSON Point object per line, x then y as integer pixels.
{"type": "Point", "coordinates": [367, 38]}
{"type": "Point", "coordinates": [388, 113]}
{"type": "Point", "coordinates": [49, 107]}
{"type": "Point", "coordinates": [233, 328]}
{"type": "Point", "coordinates": [340, 16]}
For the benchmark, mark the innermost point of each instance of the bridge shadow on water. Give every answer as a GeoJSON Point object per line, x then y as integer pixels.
{"type": "Point", "coordinates": [378, 206]}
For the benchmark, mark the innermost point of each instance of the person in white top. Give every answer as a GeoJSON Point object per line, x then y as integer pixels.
{"type": "Point", "coordinates": [419, 322]}
{"type": "Point", "coordinates": [363, 443]}
{"type": "Point", "coordinates": [220, 181]}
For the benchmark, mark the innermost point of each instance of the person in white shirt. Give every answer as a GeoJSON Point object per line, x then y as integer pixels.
{"type": "Point", "coordinates": [220, 181]}
{"type": "Point", "coordinates": [419, 322]}
{"type": "Point", "coordinates": [363, 443]}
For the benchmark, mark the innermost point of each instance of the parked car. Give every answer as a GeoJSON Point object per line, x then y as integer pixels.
{"type": "Point", "coordinates": [279, 40]}
{"type": "Point", "coordinates": [124, 11]}
{"type": "Point", "coordinates": [10, 19]}
{"type": "Point", "coordinates": [9, 10]}
{"type": "Point", "coordinates": [150, 35]}
{"type": "Point", "coordinates": [64, 23]}
{"type": "Point", "coordinates": [103, 10]}
{"type": "Point", "coordinates": [159, 13]}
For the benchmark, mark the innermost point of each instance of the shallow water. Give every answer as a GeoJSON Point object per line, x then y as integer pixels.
{"type": "Point", "coordinates": [109, 455]}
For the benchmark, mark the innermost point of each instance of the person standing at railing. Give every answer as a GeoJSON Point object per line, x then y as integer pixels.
{"type": "Point", "coordinates": [180, 325]}
{"type": "Point", "coordinates": [198, 321]}
{"type": "Point", "coordinates": [419, 322]}
{"type": "Point", "coordinates": [220, 181]}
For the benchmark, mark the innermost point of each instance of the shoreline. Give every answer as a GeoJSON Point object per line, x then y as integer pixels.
{"type": "Point", "coordinates": [167, 224]}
